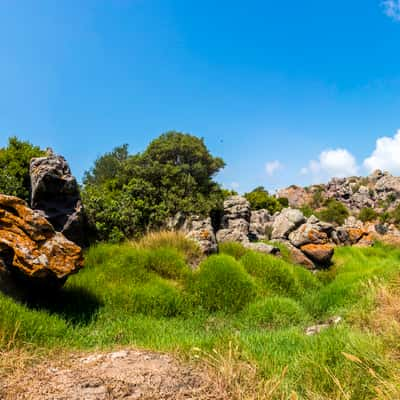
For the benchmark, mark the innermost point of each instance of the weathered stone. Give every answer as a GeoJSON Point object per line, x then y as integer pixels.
{"type": "Point", "coordinates": [235, 224]}
{"type": "Point", "coordinates": [287, 221]}
{"type": "Point", "coordinates": [235, 207]}
{"type": "Point", "coordinates": [201, 231]}
{"type": "Point", "coordinates": [297, 196]}
{"type": "Point", "coordinates": [321, 254]}
{"type": "Point", "coordinates": [29, 246]}
{"type": "Point", "coordinates": [260, 225]}
{"type": "Point", "coordinates": [355, 234]}
{"type": "Point", "coordinates": [308, 233]}
{"type": "Point", "coordinates": [262, 248]}
{"type": "Point", "coordinates": [367, 240]}
{"type": "Point", "coordinates": [55, 192]}
{"type": "Point", "coordinates": [297, 256]}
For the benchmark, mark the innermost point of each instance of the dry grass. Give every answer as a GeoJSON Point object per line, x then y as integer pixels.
{"type": "Point", "coordinates": [176, 240]}
{"type": "Point", "coordinates": [239, 378]}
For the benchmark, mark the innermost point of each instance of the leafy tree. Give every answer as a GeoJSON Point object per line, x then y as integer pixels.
{"type": "Point", "coordinates": [14, 167]}
{"type": "Point", "coordinates": [334, 211]}
{"type": "Point", "coordinates": [259, 199]}
{"type": "Point", "coordinates": [125, 195]}
{"type": "Point", "coordinates": [107, 167]}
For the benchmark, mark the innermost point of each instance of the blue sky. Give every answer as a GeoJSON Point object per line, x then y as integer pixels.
{"type": "Point", "coordinates": [285, 91]}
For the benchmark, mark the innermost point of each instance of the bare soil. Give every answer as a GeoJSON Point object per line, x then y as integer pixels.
{"type": "Point", "coordinates": [125, 374]}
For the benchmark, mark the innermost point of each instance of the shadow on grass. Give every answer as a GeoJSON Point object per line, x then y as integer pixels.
{"type": "Point", "coordinates": [76, 305]}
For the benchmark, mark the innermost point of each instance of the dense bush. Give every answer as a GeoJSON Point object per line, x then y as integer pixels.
{"type": "Point", "coordinates": [234, 249]}
{"type": "Point", "coordinates": [125, 195]}
{"type": "Point", "coordinates": [275, 275]}
{"type": "Point", "coordinates": [14, 167]}
{"type": "Point", "coordinates": [334, 211]}
{"type": "Point", "coordinates": [274, 312]}
{"type": "Point", "coordinates": [367, 214]}
{"type": "Point", "coordinates": [166, 262]}
{"type": "Point", "coordinates": [222, 284]}
{"type": "Point", "coordinates": [259, 199]}
{"type": "Point", "coordinates": [158, 299]}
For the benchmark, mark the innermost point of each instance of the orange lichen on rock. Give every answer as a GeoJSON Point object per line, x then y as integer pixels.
{"type": "Point", "coordinates": [29, 245]}
{"type": "Point", "coordinates": [320, 253]}
{"type": "Point", "coordinates": [355, 234]}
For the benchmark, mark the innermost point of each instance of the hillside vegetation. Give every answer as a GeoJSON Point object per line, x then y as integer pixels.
{"type": "Point", "coordinates": [242, 312]}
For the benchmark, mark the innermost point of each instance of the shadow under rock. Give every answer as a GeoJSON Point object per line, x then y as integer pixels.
{"type": "Point", "coordinates": [76, 305]}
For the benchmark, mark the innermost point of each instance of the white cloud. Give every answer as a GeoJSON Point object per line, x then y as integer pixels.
{"type": "Point", "coordinates": [235, 185]}
{"type": "Point", "coordinates": [392, 9]}
{"type": "Point", "coordinates": [386, 155]}
{"type": "Point", "coordinates": [272, 167]}
{"type": "Point", "coordinates": [331, 163]}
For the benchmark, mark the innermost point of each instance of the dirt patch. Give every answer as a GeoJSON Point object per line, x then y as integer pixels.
{"type": "Point", "coordinates": [125, 374]}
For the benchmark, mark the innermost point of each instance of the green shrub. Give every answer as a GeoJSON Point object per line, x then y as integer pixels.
{"type": "Point", "coordinates": [119, 261]}
{"type": "Point", "coordinates": [176, 240]}
{"type": "Point", "coordinates": [167, 262]}
{"type": "Point", "coordinates": [367, 214]}
{"type": "Point", "coordinates": [259, 199]}
{"type": "Point", "coordinates": [222, 284]}
{"type": "Point", "coordinates": [126, 195]}
{"type": "Point", "coordinates": [274, 312]}
{"type": "Point", "coordinates": [158, 299]}
{"type": "Point", "coordinates": [307, 210]}
{"type": "Point", "coordinates": [283, 201]}
{"type": "Point", "coordinates": [335, 212]}
{"type": "Point", "coordinates": [276, 275]}
{"type": "Point", "coordinates": [234, 249]}
{"type": "Point", "coordinates": [14, 167]}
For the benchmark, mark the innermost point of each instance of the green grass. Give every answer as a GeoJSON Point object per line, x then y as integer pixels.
{"type": "Point", "coordinates": [146, 296]}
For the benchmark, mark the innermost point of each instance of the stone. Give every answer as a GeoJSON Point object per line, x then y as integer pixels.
{"type": "Point", "coordinates": [355, 234]}
{"type": "Point", "coordinates": [286, 222]}
{"type": "Point", "coordinates": [260, 225]}
{"type": "Point", "coordinates": [367, 240]}
{"type": "Point", "coordinates": [235, 223]}
{"type": "Point", "coordinates": [262, 248]}
{"type": "Point", "coordinates": [55, 192]}
{"type": "Point", "coordinates": [321, 254]}
{"type": "Point", "coordinates": [30, 247]}
{"type": "Point", "coordinates": [235, 207]}
{"type": "Point", "coordinates": [297, 256]}
{"type": "Point", "coordinates": [297, 196]}
{"type": "Point", "coordinates": [308, 233]}
{"type": "Point", "coordinates": [201, 231]}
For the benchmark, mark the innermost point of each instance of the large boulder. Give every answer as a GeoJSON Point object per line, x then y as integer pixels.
{"type": "Point", "coordinates": [308, 233]}
{"type": "Point", "coordinates": [55, 192]}
{"type": "Point", "coordinates": [201, 231]}
{"type": "Point", "coordinates": [31, 249]}
{"type": "Point", "coordinates": [235, 223]}
{"type": "Point", "coordinates": [321, 254]}
{"type": "Point", "coordinates": [260, 225]}
{"type": "Point", "coordinates": [286, 222]}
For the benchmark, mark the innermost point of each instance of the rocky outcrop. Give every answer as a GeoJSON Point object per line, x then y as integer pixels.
{"type": "Point", "coordinates": [380, 191]}
{"type": "Point", "coordinates": [31, 249]}
{"type": "Point", "coordinates": [260, 225]}
{"type": "Point", "coordinates": [201, 231]}
{"type": "Point", "coordinates": [55, 193]}
{"type": "Point", "coordinates": [321, 254]}
{"type": "Point", "coordinates": [235, 223]}
{"type": "Point", "coordinates": [286, 222]}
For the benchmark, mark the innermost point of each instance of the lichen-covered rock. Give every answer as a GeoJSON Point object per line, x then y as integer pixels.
{"type": "Point", "coordinates": [55, 193]}
{"type": "Point", "coordinates": [297, 256]}
{"type": "Point", "coordinates": [286, 222]}
{"type": "Point", "coordinates": [321, 254]}
{"type": "Point", "coordinates": [260, 225]}
{"type": "Point", "coordinates": [201, 231]}
{"type": "Point", "coordinates": [308, 233]}
{"type": "Point", "coordinates": [235, 223]}
{"type": "Point", "coordinates": [29, 246]}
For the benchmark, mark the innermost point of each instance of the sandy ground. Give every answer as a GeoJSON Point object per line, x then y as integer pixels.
{"type": "Point", "coordinates": [125, 374]}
